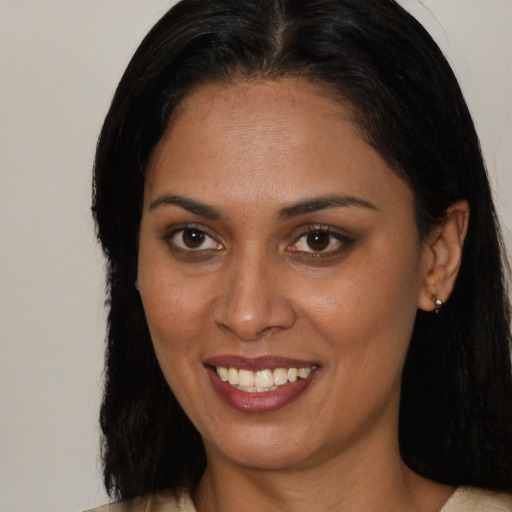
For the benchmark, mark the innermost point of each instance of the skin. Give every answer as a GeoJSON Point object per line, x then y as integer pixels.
{"type": "Point", "coordinates": [255, 287]}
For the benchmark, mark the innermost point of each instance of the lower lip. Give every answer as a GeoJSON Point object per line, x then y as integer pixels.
{"type": "Point", "coordinates": [258, 402]}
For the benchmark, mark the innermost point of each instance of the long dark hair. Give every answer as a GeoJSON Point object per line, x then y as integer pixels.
{"type": "Point", "coordinates": [456, 405]}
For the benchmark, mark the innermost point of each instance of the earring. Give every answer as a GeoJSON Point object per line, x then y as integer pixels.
{"type": "Point", "coordinates": [437, 304]}
{"type": "Point", "coordinates": [136, 284]}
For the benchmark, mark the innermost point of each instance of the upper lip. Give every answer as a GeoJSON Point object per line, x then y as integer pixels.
{"type": "Point", "coordinates": [257, 363]}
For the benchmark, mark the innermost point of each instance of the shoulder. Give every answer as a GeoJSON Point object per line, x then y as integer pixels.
{"type": "Point", "coordinates": [471, 499]}
{"type": "Point", "coordinates": [161, 502]}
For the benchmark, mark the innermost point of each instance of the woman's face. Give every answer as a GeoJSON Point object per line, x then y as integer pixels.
{"type": "Point", "coordinates": [276, 244]}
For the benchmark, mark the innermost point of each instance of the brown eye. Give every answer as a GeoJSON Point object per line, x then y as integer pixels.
{"type": "Point", "coordinates": [318, 240]}
{"type": "Point", "coordinates": [321, 241]}
{"type": "Point", "coordinates": [193, 238]}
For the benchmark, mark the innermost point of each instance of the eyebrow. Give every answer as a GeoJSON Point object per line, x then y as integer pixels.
{"type": "Point", "coordinates": [322, 203]}
{"type": "Point", "coordinates": [192, 206]}
{"type": "Point", "coordinates": [294, 210]}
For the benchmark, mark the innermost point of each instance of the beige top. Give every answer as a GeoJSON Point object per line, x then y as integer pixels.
{"type": "Point", "coordinates": [464, 499]}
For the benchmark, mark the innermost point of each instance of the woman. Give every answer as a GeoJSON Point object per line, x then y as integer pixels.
{"type": "Point", "coordinates": [307, 300]}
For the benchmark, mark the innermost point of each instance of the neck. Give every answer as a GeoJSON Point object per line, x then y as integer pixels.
{"type": "Point", "coordinates": [350, 483]}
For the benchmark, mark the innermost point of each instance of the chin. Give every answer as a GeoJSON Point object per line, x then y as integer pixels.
{"type": "Point", "coordinates": [263, 447]}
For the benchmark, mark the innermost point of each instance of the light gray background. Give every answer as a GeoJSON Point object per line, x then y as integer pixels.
{"type": "Point", "coordinates": [60, 61]}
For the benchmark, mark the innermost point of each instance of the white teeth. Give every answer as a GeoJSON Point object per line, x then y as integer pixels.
{"type": "Point", "coordinates": [233, 376]}
{"type": "Point", "coordinates": [245, 378]}
{"type": "Point", "coordinates": [280, 376]}
{"type": "Point", "coordinates": [304, 372]}
{"type": "Point", "coordinates": [262, 380]}
{"type": "Point", "coordinates": [292, 374]}
{"type": "Point", "coordinates": [250, 389]}
{"type": "Point", "coordinates": [254, 389]}
{"type": "Point", "coordinates": [223, 373]}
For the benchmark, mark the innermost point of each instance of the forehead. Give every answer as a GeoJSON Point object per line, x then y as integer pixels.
{"type": "Point", "coordinates": [289, 135]}
{"type": "Point", "coordinates": [253, 96]}
{"type": "Point", "coordinates": [278, 117]}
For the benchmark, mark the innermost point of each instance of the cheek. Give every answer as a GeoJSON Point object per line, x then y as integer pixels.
{"type": "Point", "coordinates": [366, 318]}
{"type": "Point", "coordinates": [175, 308]}
{"type": "Point", "coordinates": [174, 301]}
{"type": "Point", "coordinates": [360, 302]}
{"type": "Point", "coordinates": [367, 311]}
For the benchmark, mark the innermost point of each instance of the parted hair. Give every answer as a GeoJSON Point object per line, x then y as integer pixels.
{"type": "Point", "coordinates": [456, 404]}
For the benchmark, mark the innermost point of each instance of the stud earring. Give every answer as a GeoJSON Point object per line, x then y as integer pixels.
{"type": "Point", "coordinates": [437, 304]}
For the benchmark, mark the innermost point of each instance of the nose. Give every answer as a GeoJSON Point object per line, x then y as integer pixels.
{"type": "Point", "coordinates": [253, 302]}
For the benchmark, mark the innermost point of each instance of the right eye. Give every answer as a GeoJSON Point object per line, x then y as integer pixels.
{"type": "Point", "coordinates": [193, 239]}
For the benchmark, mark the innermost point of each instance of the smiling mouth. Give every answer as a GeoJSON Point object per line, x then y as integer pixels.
{"type": "Point", "coordinates": [262, 381]}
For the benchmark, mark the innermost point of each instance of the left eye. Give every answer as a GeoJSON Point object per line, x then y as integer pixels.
{"type": "Point", "coordinates": [191, 239]}
{"type": "Point", "coordinates": [317, 241]}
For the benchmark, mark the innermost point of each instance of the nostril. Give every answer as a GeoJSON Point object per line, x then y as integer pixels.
{"type": "Point", "coordinates": [246, 332]}
{"type": "Point", "coordinates": [251, 305]}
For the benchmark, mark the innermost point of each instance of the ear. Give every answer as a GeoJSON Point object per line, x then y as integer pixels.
{"type": "Point", "coordinates": [442, 256]}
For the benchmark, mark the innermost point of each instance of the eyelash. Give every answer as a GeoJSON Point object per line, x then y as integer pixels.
{"type": "Point", "coordinates": [201, 230]}
{"type": "Point", "coordinates": [343, 241]}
